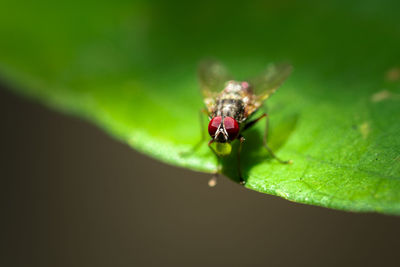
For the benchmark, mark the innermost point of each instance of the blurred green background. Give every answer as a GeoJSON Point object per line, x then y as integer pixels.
{"type": "Point", "coordinates": [130, 68]}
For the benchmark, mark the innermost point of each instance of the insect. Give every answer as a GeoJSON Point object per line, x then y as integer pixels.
{"type": "Point", "coordinates": [230, 104]}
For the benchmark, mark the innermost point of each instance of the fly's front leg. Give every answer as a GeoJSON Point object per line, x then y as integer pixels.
{"type": "Point", "coordinates": [265, 143]}
{"type": "Point", "coordinates": [203, 136]}
{"type": "Point", "coordinates": [241, 140]}
{"type": "Point", "coordinates": [213, 181]}
{"type": "Point", "coordinates": [251, 123]}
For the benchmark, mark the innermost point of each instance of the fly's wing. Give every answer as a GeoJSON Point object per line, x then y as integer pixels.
{"type": "Point", "coordinates": [212, 78]}
{"type": "Point", "coordinates": [268, 82]}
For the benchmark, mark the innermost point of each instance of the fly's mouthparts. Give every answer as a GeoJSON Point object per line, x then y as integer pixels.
{"type": "Point", "coordinates": [220, 137]}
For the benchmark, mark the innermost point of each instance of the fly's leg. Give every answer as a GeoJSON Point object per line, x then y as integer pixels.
{"type": "Point", "coordinates": [203, 136]}
{"type": "Point", "coordinates": [251, 123]}
{"type": "Point", "coordinates": [213, 181]}
{"type": "Point", "coordinates": [265, 143]}
{"type": "Point", "coordinates": [241, 140]}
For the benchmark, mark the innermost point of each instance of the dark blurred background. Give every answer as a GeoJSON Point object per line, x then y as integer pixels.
{"type": "Point", "coordinates": [73, 196]}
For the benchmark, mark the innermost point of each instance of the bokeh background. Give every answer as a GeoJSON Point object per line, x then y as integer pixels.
{"type": "Point", "coordinates": [74, 196]}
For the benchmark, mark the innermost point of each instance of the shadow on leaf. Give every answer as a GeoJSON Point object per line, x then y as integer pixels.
{"type": "Point", "coordinates": [253, 151]}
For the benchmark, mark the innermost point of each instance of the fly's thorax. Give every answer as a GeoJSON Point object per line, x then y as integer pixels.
{"type": "Point", "coordinates": [234, 100]}
{"type": "Point", "coordinates": [229, 106]}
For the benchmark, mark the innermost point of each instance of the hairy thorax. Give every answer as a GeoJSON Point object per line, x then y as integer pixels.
{"type": "Point", "coordinates": [234, 101]}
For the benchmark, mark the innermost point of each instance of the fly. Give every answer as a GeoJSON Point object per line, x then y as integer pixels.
{"type": "Point", "coordinates": [230, 105]}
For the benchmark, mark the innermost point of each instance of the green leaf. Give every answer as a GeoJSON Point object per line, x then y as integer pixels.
{"type": "Point", "coordinates": [130, 67]}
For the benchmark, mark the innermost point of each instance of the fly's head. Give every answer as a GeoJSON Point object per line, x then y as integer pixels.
{"type": "Point", "coordinates": [223, 130]}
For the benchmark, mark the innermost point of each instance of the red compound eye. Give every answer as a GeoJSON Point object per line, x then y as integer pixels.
{"type": "Point", "coordinates": [231, 127]}
{"type": "Point", "coordinates": [213, 125]}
